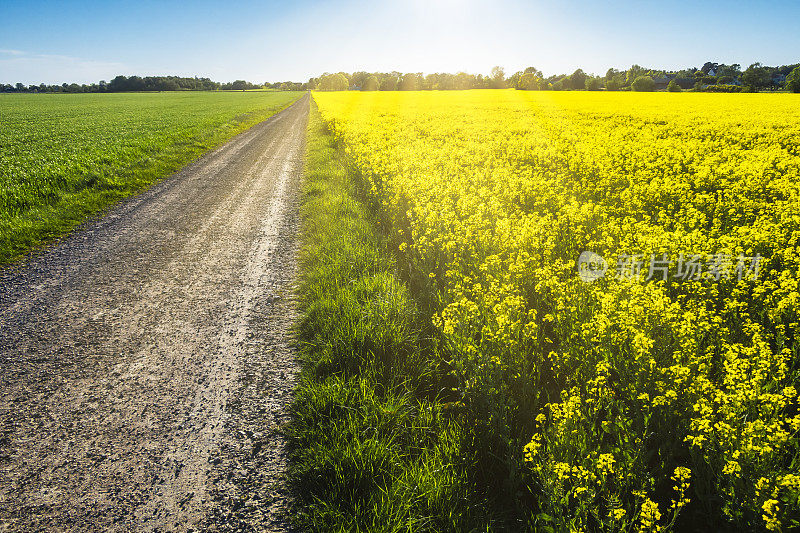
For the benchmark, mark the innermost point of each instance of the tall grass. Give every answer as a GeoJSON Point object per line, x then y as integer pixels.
{"type": "Point", "coordinates": [376, 445]}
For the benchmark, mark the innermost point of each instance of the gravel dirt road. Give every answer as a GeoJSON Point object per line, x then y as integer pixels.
{"type": "Point", "coordinates": [146, 361]}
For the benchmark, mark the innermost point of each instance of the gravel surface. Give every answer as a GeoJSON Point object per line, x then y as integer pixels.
{"type": "Point", "coordinates": [146, 361]}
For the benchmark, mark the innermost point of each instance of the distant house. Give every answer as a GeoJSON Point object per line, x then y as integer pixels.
{"type": "Point", "coordinates": [661, 83]}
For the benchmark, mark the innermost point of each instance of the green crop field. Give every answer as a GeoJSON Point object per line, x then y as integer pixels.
{"type": "Point", "coordinates": [64, 157]}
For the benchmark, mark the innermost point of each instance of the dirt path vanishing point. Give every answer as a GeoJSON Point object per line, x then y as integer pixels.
{"type": "Point", "coordinates": [146, 361]}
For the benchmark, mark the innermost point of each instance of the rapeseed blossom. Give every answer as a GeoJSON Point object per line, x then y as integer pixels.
{"type": "Point", "coordinates": [493, 195]}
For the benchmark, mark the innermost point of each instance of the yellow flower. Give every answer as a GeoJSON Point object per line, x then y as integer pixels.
{"type": "Point", "coordinates": [681, 476]}
{"type": "Point", "coordinates": [497, 188]}
{"type": "Point", "coordinates": [605, 463]}
{"type": "Point", "coordinates": [649, 516]}
{"type": "Point", "coordinates": [731, 468]}
{"type": "Point", "coordinates": [770, 515]}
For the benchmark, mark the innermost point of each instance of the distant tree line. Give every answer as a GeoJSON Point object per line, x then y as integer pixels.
{"type": "Point", "coordinates": [152, 83]}
{"type": "Point", "coordinates": [711, 77]}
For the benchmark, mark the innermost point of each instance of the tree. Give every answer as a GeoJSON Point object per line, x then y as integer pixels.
{"type": "Point", "coordinates": [577, 80]}
{"type": "Point", "coordinates": [332, 82]}
{"type": "Point", "coordinates": [170, 85]}
{"type": "Point", "coordinates": [592, 84]}
{"type": "Point", "coordinates": [673, 86]}
{"type": "Point", "coordinates": [439, 82]}
{"type": "Point", "coordinates": [731, 71]}
{"type": "Point", "coordinates": [757, 76]}
{"type": "Point", "coordinates": [464, 81]}
{"type": "Point", "coordinates": [643, 84]}
{"type": "Point", "coordinates": [614, 79]}
{"type": "Point", "coordinates": [136, 83]}
{"type": "Point", "coordinates": [430, 82]}
{"type": "Point", "coordinates": [119, 83]}
{"type": "Point", "coordinates": [793, 80]}
{"type": "Point", "coordinates": [498, 76]}
{"type": "Point", "coordinates": [534, 71]}
{"type": "Point", "coordinates": [389, 83]}
{"type": "Point", "coordinates": [410, 82]}
{"type": "Point", "coordinates": [370, 84]}
{"type": "Point", "coordinates": [632, 73]}
{"type": "Point", "coordinates": [530, 82]}
{"type": "Point", "coordinates": [358, 79]}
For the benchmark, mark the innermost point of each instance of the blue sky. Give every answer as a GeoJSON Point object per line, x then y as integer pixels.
{"type": "Point", "coordinates": [85, 41]}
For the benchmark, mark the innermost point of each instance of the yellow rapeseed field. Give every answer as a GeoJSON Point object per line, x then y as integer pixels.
{"type": "Point", "coordinates": [661, 386]}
